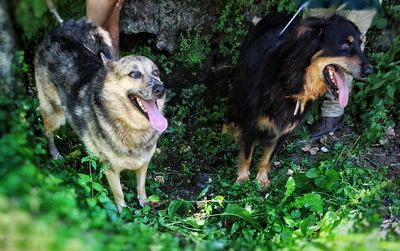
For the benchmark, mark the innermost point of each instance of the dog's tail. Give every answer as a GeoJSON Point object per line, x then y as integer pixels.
{"type": "Point", "coordinates": [53, 10]}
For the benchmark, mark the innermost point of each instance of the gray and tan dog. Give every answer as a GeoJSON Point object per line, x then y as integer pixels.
{"type": "Point", "coordinates": [114, 106]}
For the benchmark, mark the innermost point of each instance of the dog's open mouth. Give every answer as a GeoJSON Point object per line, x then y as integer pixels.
{"type": "Point", "coordinates": [149, 109]}
{"type": "Point", "coordinates": [335, 77]}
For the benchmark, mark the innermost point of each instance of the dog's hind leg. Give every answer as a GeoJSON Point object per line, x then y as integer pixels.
{"type": "Point", "coordinates": [51, 110]}
{"type": "Point", "coordinates": [113, 177]}
{"type": "Point", "coordinates": [245, 153]}
{"type": "Point", "coordinates": [140, 185]}
{"type": "Point", "coordinates": [264, 166]}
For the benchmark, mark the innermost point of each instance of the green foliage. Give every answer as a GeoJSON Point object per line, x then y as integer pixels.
{"type": "Point", "coordinates": [376, 100]}
{"type": "Point", "coordinates": [31, 16]}
{"type": "Point", "coordinates": [392, 10]}
{"type": "Point", "coordinates": [231, 24]}
{"type": "Point", "coordinates": [164, 62]}
{"type": "Point", "coordinates": [34, 17]}
{"type": "Point", "coordinates": [194, 49]}
{"type": "Point", "coordinates": [287, 5]}
{"type": "Point", "coordinates": [332, 205]}
{"type": "Point", "coordinates": [193, 139]}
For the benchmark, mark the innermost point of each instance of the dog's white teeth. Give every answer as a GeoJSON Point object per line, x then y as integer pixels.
{"type": "Point", "coordinates": [140, 105]}
{"type": "Point", "coordinates": [331, 73]}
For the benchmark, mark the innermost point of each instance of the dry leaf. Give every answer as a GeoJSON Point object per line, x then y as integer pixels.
{"type": "Point", "coordinates": [309, 149]}
{"type": "Point", "coordinates": [159, 179]}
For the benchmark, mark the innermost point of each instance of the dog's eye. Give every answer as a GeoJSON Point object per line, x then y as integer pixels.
{"type": "Point", "coordinates": [135, 74]}
{"type": "Point", "coordinates": [155, 73]}
{"type": "Point", "coordinates": [345, 47]}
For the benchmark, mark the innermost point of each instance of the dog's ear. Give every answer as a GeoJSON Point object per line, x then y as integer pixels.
{"type": "Point", "coordinates": [108, 63]}
{"type": "Point", "coordinates": [310, 28]}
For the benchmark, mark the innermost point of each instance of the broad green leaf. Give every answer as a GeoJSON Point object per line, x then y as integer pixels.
{"type": "Point", "coordinates": [93, 163]}
{"type": "Point", "coordinates": [96, 186]}
{"type": "Point", "coordinates": [305, 224]}
{"type": "Point", "coordinates": [91, 202]}
{"type": "Point", "coordinates": [312, 173]}
{"type": "Point", "coordinates": [238, 211]}
{"type": "Point", "coordinates": [203, 192]}
{"type": "Point", "coordinates": [173, 207]}
{"type": "Point", "coordinates": [290, 222]}
{"type": "Point", "coordinates": [153, 199]}
{"type": "Point", "coordinates": [86, 159]}
{"type": "Point", "coordinates": [328, 180]}
{"type": "Point", "coordinates": [84, 178]}
{"type": "Point", "coordinates": [235, 227]}
{"type": "Point", "coordinates": [331, 177]}
{"type": "Point", "coordinates": [290, 186]}
{"type": "Point", "coordinates": [314, 202]}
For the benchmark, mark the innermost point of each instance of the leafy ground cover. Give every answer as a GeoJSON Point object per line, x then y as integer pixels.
{"type": "Point", "coordinates": [330, 201]}
{"type": "Point", "coordinates": [340, 194]}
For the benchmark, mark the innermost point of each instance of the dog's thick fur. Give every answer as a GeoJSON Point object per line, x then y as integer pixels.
{"type": "Point", "coordinates": [278, 77]}
{"type": "Point", "coordinates": [103, 100]}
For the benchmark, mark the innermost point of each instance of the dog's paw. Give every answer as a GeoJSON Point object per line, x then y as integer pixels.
{"type": "Point", "coordinates": [242, 177]}
{"type": "Point", "coordinates": [262, 178]}
{"type": "Point", "coordinates": [56, 155]}
{"type": "Point", "coordinates": [120, 206]}
{"type": "Point", "coordinates": [142, 200]}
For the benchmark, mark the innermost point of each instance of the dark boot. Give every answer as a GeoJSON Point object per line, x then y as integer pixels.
{"type": "Point", "coordinates": [326, 125]}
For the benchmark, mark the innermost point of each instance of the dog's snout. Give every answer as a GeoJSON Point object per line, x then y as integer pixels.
{"type": "Point", "coordinates": [158, 90]}
{"type": "Point", "coordinates": [367, 70]}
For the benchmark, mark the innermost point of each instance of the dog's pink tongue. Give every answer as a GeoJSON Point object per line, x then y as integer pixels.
{"type": "Point", "coordinates": [344, 88]}
{"type": "Point", "coordinates": [157, 120]}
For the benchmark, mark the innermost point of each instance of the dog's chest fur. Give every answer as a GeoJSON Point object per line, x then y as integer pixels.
{"type": "Point", "coordinates": [105, 129]}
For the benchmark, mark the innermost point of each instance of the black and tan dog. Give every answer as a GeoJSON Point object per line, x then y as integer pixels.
{"type": "Point", "coordinates": [114, 106]}
{"type": "Point", "coordinates": [278, 77]}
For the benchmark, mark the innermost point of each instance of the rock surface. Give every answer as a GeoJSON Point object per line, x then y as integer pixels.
{"type": "Point", "coordinates": [7, 49]}
{"type": "Point", "coordinates": [166, 19]}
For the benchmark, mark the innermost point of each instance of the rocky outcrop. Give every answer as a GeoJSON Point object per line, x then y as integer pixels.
{"type": "Point", "coordinates": [383, 41]}
{"type": "Point", "coordinates": [7, 49]}
{"type": "Point", "coordinates": [165, 19]}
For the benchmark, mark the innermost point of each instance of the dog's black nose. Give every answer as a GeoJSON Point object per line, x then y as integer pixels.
{"type": "Point", "coordinates": [158, 90]}
{"type": "Point", "coordinates": [367, 70]}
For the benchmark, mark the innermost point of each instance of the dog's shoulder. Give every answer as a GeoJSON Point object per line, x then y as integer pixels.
{"type": "Point", "coordinates": [83, 33]}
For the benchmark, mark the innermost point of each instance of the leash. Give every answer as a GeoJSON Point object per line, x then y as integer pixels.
{"type": "Point", "coordinates": [53, 10]}
{"type": "Point", "coordinates": [304, 5]}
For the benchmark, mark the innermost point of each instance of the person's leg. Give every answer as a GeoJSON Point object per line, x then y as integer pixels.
{"type": "Point", "coordinates": [99, 11]}
{"type": "Point", "coordinates": [112, 26]}
{"type": "Point", "coordinates": [105, 13]}
{"type": "Point", "coordinates": [331, 112]}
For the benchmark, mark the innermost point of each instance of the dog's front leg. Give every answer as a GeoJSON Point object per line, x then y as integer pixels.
{"type": "Point", "coordinates": [141, 182]}
{"type": "Point", "coordinates": [113, 177]}
{"type": "Point", "coordinates": [245, 153]}
{"type": "Point", "coordinates": [263, 169]}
